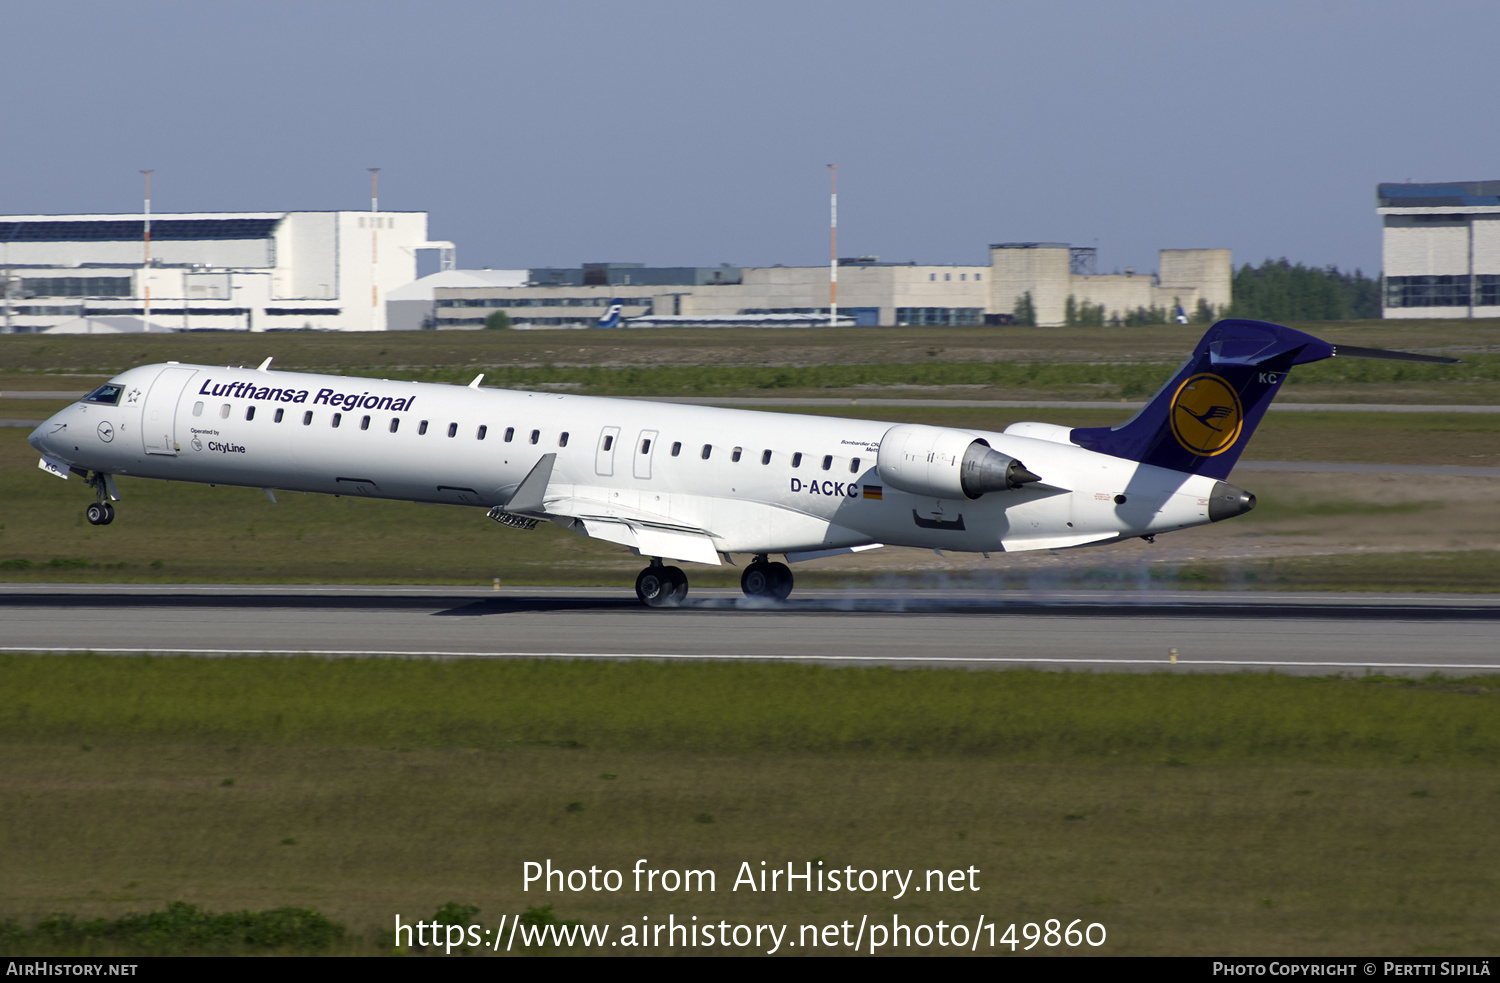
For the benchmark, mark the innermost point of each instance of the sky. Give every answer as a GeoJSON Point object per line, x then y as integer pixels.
{"type": "Point", "coordinates": [696, 133]}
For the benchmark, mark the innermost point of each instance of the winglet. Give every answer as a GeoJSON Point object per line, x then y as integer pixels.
{"type": "Point", "coordinates": [477, 379]}
{"type": "Point", "coordinates": [266, 365]}
{"type": "Point", "coordinates": [528, 497]}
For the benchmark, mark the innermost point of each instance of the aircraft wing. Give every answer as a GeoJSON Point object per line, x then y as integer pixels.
{"type": "Point", "coordinates": [648, 533]}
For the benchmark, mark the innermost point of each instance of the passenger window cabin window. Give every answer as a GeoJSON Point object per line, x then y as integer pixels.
{"type": "Point", "coordinates": [510, 433]}
{"type": "Point", "coordinates": [453, 430]}
{"type": "Point", "coordinates": [480, 433]}
{"type": "Point", "coordinates": [646, 446]}
{"type": "Point", "coordinates": [422, 428]}
{"type": "Point", "coordinates": [364, 424]}
{"type": "Point", "coordinates": [249, 413]}
{"type": "Point", "coordinates": [198, 408]}
{"type": "Point", "coordinates": [827, 461]}
{"type": "Point", "coordinates": [536, 435]}
{"type": "Point", "coordinates": [279, 414]}
{"type": "Point", "coordinates": [609, 441]}
{"type": "Point", "coordinates": [734, 455]}
{"type": "Point", "coordinates": [224, 412]}
{"type": "Point", "coordinates": [562, 440]}
{"type": "Point", "coordinates": [765, 457]}
{"type": "Point", "coordinates": [307, 418]}
{"type": "Point", "coordinates": [854, 466]}
{"type": "Point", "coordinates": [676, 447]}
{"type": "Point", "coordinates": [395, 422]}
{"type": "Point", "coordinates": [337, 419]}
{"type": "Point", "coordinates": [707, 450]}
{"type": "Point", "coordinates": [797, 460]}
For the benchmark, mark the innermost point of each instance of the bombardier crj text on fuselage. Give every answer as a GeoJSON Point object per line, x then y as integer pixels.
{"type": "Point", "coordinates": [697, 483]}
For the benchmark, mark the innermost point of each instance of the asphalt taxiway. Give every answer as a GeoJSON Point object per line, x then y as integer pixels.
{"type": "Point", "coordinates": [976, 628]}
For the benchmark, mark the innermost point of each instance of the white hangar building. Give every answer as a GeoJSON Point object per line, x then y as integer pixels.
{"type": "Point", "coordinates": [245, 271]}
{"type": "Point", "coordinates": [1440, 249]}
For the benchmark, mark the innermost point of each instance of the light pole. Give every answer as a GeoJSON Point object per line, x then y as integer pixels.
{"type": "Point", "coordinates": [146, 263]}
{"type": "Point", "coordinates": [374, 248]}
{"type": "Point", "coordinates": [833, 246]}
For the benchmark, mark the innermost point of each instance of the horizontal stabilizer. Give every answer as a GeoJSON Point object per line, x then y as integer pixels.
{"type": "Point", "coordinates": [1350, 351]}
{"type": "Point", "coordinates": [1200, 421]}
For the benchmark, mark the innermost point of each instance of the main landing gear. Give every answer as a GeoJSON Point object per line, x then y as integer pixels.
{"type": "Point", "coordinates": [661, 587]}
{"type": "Point", "coordinates": [769, 580]}
{"type": "Point", "coordinates": [101, 513]}
{"type": "Point", "coordinates": [666, 587]}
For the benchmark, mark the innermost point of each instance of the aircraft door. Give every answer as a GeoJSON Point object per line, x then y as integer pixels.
{"type": "Point", "coordinates": [604, 454]}
{"type": "Point", "coordinates": [159, 414]}
{"type": "Point", "coordinates": [645, 449]}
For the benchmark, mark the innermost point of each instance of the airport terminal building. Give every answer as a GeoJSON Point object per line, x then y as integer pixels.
{"type": "Point", "coordinates": [1440, 248]}
{"type": "Point", "coordinates": [869, 291]}
{"type": "Point", "coordinates": [245, 271]}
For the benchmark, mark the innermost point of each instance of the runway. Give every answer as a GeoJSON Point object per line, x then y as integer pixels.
{"type": "Point", "coordinates": [1315, 634]}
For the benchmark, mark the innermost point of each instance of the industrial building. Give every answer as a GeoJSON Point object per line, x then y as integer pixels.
{"type": "Point", "coordinates": [1440, 249]}
{"type": "Point", "coordinates": [246, 271]}
{"type": "Point", "coordinates": [869, 291]}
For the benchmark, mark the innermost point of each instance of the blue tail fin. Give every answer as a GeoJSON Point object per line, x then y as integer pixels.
{"type": "Point", "coordinates": [1202, 418]}
{"type": "Point", "coordinates": [611, 316]}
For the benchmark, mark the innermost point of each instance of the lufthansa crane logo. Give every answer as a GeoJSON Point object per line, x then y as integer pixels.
{"type": "Point", "coordinates": [1206, 415]}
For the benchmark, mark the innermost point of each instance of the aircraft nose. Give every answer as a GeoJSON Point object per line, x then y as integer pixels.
{"type": "Point", "coordinates": [1227, 501]}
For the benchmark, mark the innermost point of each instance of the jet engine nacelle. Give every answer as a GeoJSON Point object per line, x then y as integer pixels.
{"type": "Point", "coordinates": [935, 462]}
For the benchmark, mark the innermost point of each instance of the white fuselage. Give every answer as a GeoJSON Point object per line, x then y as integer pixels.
{"type": "Point", "coordinates": [740, 481]}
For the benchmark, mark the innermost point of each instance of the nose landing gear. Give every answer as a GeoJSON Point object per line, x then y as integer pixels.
{"type": "Point", "coordinates": [768, 580]}
{"type": "Point", "coordinates": [101, 513]}
{"type": "Point", "coordinates": [661, 587]}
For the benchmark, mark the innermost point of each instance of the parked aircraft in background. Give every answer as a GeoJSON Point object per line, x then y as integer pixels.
{"type": "Point", "coordinates": [611, 316]}
{"type": "Point", "coordinates": [693, 483]}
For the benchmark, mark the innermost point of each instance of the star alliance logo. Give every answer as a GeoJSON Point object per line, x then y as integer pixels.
{"type": "Point", "coordinates": [132, 396]}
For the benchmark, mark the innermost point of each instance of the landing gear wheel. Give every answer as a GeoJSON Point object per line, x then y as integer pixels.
{"type": "Point", "coordinates": [679, 584]}
{"type": "Point", "coordinates": [772, 581]}
{"type": "Point", "coordinates": [109, 514]}
{"type": "Point", "coordinates": [661, 587]}
{"type": "Point", "coordinates": [781, 580]}
{"type": "Point", "coordinates": [756, 580]}
{"type": "Point", "coordinates": [99, 514]}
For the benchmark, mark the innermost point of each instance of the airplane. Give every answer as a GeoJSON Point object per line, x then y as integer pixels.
{"type": "Point", "coordinates": [694, 483]}
{"type": "Point", "coordinates": [611, 316]}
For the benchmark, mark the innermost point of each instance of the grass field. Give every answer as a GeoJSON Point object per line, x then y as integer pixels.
{"type": "Point", "coordinates": [1191, 814]}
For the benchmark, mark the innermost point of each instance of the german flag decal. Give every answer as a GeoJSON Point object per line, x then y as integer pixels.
{"type": "Point", "coordinates": [873, 491]}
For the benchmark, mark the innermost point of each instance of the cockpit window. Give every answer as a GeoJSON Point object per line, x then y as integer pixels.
{"type": "Point", "coordinates": [109, 395]}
